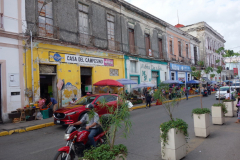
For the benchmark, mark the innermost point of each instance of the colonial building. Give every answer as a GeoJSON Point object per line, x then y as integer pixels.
{"type": "Point", "coordinates": [183, 52]}
{"type": "Point", "coordinates": [211, 41]}
{"type": "Point", "coordinates": [12, 25]}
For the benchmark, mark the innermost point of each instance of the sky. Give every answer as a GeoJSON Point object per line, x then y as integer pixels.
{"type": "Point", "coordinates": [221, 15]}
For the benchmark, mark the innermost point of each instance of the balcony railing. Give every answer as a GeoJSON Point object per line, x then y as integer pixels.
{"type": "Point", "coordinates": [173, 57]}
{"type": "Point", "coordinates": [181, 59]}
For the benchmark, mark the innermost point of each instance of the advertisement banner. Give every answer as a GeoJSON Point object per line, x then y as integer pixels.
{"type": "Point", "coordinates": [69, 58]}
{"type": "Point", "coordinates": [235, 71]}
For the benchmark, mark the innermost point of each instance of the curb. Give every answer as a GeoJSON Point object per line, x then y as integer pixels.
{"type": "Point", "coordinates": [39, 126]}
{"type": "Point", "coordinates": [154, 104]}
{"type": "Point", "coordinates": [31, 128]}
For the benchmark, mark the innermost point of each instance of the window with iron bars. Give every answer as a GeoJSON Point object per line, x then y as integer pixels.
{"type": "Point", "coordinates": [45, 19]}
{"type": "Point", "coordinates": [83, 24]}
{"type": "Point", "coordinates": [114, 72]}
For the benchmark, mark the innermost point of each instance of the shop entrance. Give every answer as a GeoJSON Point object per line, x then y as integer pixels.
{"type": "Point", "coordinates": [47, 85]}
{"type": "Point", "coordinates": [0, 96]}
{"type": "Point", "coordinates": [86, 80]}
{"type": "Point", "coordinates": [48, 80]}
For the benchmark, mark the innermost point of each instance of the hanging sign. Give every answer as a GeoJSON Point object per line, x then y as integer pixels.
{"type": "Point", "coordinates": [69, 58]}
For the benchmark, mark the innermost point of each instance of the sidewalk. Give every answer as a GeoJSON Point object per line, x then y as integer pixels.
{"type": "Point", "coordinates": [10, 128]}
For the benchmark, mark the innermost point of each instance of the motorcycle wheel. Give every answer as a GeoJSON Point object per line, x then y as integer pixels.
{"type": "Point", "coordinates": [62, 155]}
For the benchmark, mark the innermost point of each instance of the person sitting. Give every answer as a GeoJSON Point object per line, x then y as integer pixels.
{"type": "Point", "coordinates": [92, 124]}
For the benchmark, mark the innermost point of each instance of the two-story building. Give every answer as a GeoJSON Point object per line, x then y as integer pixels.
{"type": "Point", "coordinates": [211, 41]}
{"type": "Point", "coordinates": [12, 25]}
{"type": "Point", "coordinates": [183, 52]}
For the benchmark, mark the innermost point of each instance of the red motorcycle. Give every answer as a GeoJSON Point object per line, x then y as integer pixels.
{"type": "Point", "coordinates": [77, 142]}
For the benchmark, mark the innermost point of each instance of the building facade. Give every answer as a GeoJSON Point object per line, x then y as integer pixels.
{"type": "Point", "coordinates": [211, 41]}
{"type": "Point", "coordinates": [12, 25]}
{"type": "Point", "coordinates": [183, 52]}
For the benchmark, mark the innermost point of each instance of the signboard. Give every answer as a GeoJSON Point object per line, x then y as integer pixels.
{"type": "Point", "coordinates": [69, 58]}
{"type": "Point", "coordinates": [235, 71]}
{"type": "Point", "coordinates": [178, 67]}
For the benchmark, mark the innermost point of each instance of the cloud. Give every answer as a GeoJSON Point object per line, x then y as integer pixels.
{"type": "Point", "coordinates": [221, 15]}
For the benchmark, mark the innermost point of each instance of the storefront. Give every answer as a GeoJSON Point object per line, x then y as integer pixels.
{"type": "Point", "coordinates": [79, 69]}
{"type": "Point", "coordinates": [180, 72]}
{"type": "Point", "coordinates": [144, 70]}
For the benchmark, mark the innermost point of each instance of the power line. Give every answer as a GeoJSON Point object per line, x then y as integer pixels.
{"type": "Point", "coordinates": [235, 47]}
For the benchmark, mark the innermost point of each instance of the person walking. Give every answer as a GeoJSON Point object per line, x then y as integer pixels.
{"type": "Point", "coordinates": [209, 89]}
{"type": "Point", "coordinates": [186, 93]}
{"type": "Point", "coordinates": [148, 100]}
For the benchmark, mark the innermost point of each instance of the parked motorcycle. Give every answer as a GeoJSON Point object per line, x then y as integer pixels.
{"type": "Point", "coordinates": [77, 142]}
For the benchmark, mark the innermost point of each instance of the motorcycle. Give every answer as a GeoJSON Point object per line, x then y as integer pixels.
{"type": "Point", "coordinates": [77, 142]}
{"type": "Point", "coordinates": [205, 93]}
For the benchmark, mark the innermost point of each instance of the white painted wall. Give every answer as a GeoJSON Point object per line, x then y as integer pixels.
{"type": "Point", "coordinates": [11, 53]}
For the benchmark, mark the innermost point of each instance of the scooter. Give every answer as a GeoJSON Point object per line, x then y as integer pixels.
{"type": "Point", "coordinates": [77, 142]}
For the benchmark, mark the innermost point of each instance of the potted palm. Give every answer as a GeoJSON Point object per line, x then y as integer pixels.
{"type": "Point", "coordinates": [218, 111]}
{"type": "Point", "coordinates": [119, 118]}
{"type": "Point", "coordinates": [201, 116]}
{"type": "Point", "coordinates": [173, 133]}
{"type": "Point", "coordinates": [157, 96]}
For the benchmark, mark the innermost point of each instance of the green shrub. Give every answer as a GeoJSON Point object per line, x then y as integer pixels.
{"type": "Point", "coordinates": [201, 111]}
{"type": "Point", "coordinates": [104, 152]}
{"type": "Point", "coordinates": [224, 109]}
{"type": "Point", "coordinates": [228, 100]}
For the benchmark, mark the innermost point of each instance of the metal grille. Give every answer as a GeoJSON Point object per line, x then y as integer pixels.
{"type": "Point", "coordinates": [59, 115]}
{"type": "Point", "coordinates": [113, 72]}
{"type": "Point", "coordinates": [47, 68]}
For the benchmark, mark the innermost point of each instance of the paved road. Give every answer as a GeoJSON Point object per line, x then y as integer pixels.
{"type": "Point", "coordinates": [143, 142]}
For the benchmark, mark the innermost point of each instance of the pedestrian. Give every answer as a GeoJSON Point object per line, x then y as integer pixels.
{"type": "Point", "coordinates": [209, 90]}
{"type": "Point", "coordinates": [148, 100]}
{"type": "Point", "coordinates": [238, 106]}
{"type": "Point", "coordinates": [41, 102]}
{"type": "Point", "coordinates": [228, 95]}
{"type": "Point", "coordinates": [54, 103]}
{"type": "Point", "coordinates": [186, 93]}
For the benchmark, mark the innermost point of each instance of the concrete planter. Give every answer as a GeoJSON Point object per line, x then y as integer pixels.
{"type": "Point", "coordinates": [201, 124]}
{"type": "Point", "coordinates": [235, 109]}
{"type": "Point", "coordinates": [229, 106]}
{"type": "Point", "coordinates": [176, 147]}
{"type": "Point", "coordinates": [217, 115]}
{"type": "Point", "coordinates": [121, 157]}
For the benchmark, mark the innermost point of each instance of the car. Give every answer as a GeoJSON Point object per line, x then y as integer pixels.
{"type": "Point", "coordinates": [223, 91]}
{"type": "Point", "coordinates": [74, 112]}
{"type": "Point", "coordinates": [236, 86]}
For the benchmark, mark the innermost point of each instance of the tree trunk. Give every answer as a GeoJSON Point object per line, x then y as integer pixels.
{"type": "Point", "coordinates": [201, 93]}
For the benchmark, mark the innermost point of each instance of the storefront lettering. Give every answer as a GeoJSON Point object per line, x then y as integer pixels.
{"type": "Point", "coordinates": [81, 59]}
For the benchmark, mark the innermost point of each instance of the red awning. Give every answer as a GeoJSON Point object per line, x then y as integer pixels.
{"type": "Point", "coordinates": [108, 82]}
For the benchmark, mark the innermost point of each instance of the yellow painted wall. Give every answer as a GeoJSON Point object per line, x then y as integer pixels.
{"type": "Point", "coordinates": [68, 72]}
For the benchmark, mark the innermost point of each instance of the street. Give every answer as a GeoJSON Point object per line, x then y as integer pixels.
{"type": "Point", "coordinates": [143, 141]}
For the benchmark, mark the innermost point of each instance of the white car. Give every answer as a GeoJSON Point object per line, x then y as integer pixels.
{"type": "Point", "coordinates": [223, 91]}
